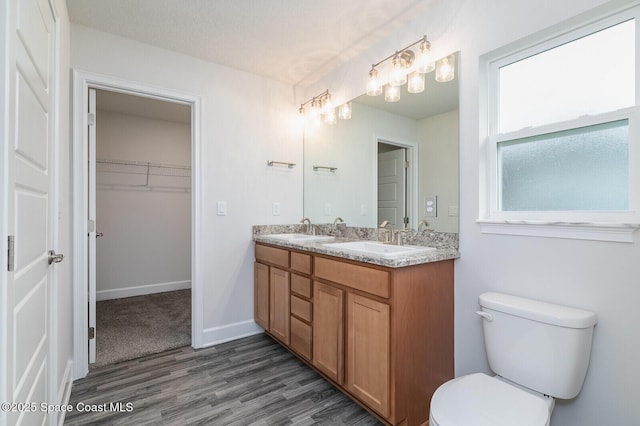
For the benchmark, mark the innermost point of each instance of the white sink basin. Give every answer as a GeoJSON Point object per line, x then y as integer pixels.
{"type": "Point", "coordinates": [300, 237]}
{"type": "Point", "coordinates": [379, 249]}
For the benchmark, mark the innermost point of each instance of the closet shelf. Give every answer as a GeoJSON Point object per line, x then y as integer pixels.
{"type": "Point", "coordinates": [123, 175]}
{"type": "Point", "coordinates": [140, 167]}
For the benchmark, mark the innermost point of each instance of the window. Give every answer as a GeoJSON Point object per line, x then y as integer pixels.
{"type": "Point", "coordinates": [563, 132]}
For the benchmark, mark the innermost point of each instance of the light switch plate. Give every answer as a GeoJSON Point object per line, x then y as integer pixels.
{"type": "Point", "coordinates": [222, 208]}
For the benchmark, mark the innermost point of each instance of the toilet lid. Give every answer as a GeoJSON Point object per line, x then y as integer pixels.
{"type": "Point", "coordinates": [480, 400]}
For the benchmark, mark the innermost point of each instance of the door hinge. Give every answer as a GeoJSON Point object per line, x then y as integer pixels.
{"type": "Point", "coordinates": [91, 119]}
{"type": "Point", "coordinates": [92, 333]}
{"type": "Point", "coordinates": [10, 253]}
{"type": "Point", "coordinates": [406, 164]}
{"type": "Point", "coordinates": [406, 220]}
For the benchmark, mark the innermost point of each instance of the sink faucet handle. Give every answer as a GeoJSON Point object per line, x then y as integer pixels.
{"type": "Point", "coordinates": [309, 225]}
{"type": "Point", "coordinates": [388, 231]}
{"type": "Point", "coordinates": [400, 235]}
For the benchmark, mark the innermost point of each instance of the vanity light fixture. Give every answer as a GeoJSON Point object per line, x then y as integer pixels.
{"type": "Point", "coordinates": [424, 60]}
{"type": "Point", "coordinates": [321, 107]}
{"type": "Point", "coordinates": [374, 88]}
{"type": "Point", "coordinates": [410, 67]}
{"type": "Point", "coordinates": [392, 93]}
{"type": "Point", "coordinates": [415, 82]}
{"type": "Point", "coordinates": [344, 111]}
{"type": "Point", "coordinates": [445, 69]}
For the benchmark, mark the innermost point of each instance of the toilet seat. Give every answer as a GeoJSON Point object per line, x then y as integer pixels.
{"type": "Point", "coordinates": [481, 400]}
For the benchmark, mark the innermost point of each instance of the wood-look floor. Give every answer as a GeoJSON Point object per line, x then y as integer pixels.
{"type": "Point", "coordinates": [251, 381]}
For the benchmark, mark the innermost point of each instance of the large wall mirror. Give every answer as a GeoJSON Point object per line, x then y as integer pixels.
{"type": "Point", "coordinates": [391, 161]}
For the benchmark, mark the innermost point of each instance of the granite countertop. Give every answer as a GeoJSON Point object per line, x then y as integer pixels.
{"type": "Point", "coordinates": [441, 253]}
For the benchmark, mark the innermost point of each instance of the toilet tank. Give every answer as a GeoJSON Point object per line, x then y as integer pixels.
{"type": "Point", "coordinates": [542, 346]}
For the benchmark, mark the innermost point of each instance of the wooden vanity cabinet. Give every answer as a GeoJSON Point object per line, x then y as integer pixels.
{"type": "Point", "coordinates": [261, 294]}
{"type": "Point", "coordinates": [383, 335]}
{"type": "Point", "coordinates": [302, 305]}
{"type": "Point", "coordinates": [279, 311]}
{"type": "Point", "coordinates": [369, 351]}
{"type": "Point", "coordinates": [328, 337]}
{"type": "Point", "coordinates": [271, 288]}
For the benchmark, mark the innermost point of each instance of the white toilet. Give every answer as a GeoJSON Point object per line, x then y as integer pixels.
{"type": "Point", "coordinates": [539, 351]}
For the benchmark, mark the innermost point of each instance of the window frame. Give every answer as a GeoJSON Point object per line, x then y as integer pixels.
{"type": "Point", "coordinates": [608, 225]}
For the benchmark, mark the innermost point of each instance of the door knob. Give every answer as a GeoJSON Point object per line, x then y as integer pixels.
{"type": "Point", "coordinates": [55, 258]}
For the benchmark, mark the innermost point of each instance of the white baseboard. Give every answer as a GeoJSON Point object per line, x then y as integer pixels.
{"type": "Point", "coordinates": [142, 290]}
{"type": "Point", "coordinates": [227, 333]}
{"type": "Point", "coordinates": [64, 393]}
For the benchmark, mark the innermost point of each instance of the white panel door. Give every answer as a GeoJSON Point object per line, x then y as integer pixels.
{"type": "Point", "coordinates": [392, 187]}
{"type": "Point", "coordinates": [30, 179]}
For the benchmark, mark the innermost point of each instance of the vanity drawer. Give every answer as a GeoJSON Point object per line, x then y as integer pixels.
{"type": "Point", "coordinates": [301, 308]}
{"type": "Point", "coordinates": [272, 255]}
{"type": "Point", "coordinates": [362, 278]}
{"type": "Point", "coordinates": [301, 337]}
{"type": "Point", "coordinates": [301, 262]}
{"type": "Point", "coordinates": [301, 285]}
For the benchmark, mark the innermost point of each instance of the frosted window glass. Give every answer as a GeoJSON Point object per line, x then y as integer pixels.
{"type": "Point", "coordinates": [590, 75]}
{"type": "Point", "coordinates": [578, 169]}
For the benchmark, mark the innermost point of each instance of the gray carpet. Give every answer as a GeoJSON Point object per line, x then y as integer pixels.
{"type": "Point", "coordinates": [136, 326]}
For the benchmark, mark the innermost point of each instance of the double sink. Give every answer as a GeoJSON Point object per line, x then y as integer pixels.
{"type": "Point", "coordinates": [362, 247]}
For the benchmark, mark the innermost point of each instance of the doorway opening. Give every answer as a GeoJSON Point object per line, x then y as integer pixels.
{"type": "Point", "coordinates": [140, 202]}
{"type": "Point", "coordinates": [86, 230]}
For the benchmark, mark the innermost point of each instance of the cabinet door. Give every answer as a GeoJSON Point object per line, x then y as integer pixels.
{"type": "Point", "coordinates": [328, 330]}
{"type": "Point", "coordinates": [279, 304]}
{"type": "Point", "coordinates": [261, 295]}
{"type": "Point", "coordinates": [368, 351]}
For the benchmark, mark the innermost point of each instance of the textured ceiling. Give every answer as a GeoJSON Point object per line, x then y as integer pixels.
{"type": "Point", "coordinates": [292, 41]}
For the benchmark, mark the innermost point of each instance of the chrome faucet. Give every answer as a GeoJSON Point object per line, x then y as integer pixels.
{"type": "Point", "coordinates": [388, 231]}
{"type": "Point", "coordinates": [399, 235]}
{"type": "Point", "coordinates": [337, 219]}
{"type": "Point", "coordinates": [310, 228]}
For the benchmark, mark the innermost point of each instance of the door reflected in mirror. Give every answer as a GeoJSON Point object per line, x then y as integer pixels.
{"type": "Point", "coordinates": [391, 161]}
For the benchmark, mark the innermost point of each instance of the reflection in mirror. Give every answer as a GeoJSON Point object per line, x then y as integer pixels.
{"type": "Point", "coordinates": [391, 161]}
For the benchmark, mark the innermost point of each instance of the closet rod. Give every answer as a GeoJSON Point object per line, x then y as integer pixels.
{"type": "Point", "coordinates": [144, 164]}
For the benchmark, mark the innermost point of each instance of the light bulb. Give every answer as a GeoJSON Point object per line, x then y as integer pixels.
{"type": "Point", "coordinates": [344, 112]}
{"type": "Point", "coordinates": [327, 105]}
{"type": "Point", "coordinates": [398, 72]}
{"type": "Point", "coordinates": [392, 93]}
{"type": "Point", "coordinates": [329, 116]}
{"type": "Point", "coordinates": [424, 59]}
{"type": "Point", "coordinates": [373, 85]}
{"type": "Point", "coordinates": [416, 82]}
{"type": "Point", "coordinates": [445, 69]}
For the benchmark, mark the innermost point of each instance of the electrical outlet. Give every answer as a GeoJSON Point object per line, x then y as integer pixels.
{"type": "Point", "coordinates": [275, 208]}
{"type": "Point", "coordinates": [431, 206]}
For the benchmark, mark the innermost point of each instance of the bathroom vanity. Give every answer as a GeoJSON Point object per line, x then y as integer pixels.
{"type": "Point", "coordinates": [379, 328]}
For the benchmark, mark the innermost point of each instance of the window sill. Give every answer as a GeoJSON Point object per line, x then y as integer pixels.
{"type": "Point", "coordinates": [622, 233]}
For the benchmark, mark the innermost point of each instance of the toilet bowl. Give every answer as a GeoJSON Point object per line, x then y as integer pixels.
{"type": "Point", "coordinates": [481, 400]}
{"type": "Point", "coordinates": [539, 351]}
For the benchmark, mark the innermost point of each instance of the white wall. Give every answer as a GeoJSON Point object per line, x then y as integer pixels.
{"type": "Point", "coordinates": [593, 275]}
{"type": "Point", "coordinates": [438, 175]}
{"type": "Point", "coordinates": [146, 247]}
{"type": "Point", "coordinates": [246, 121]}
